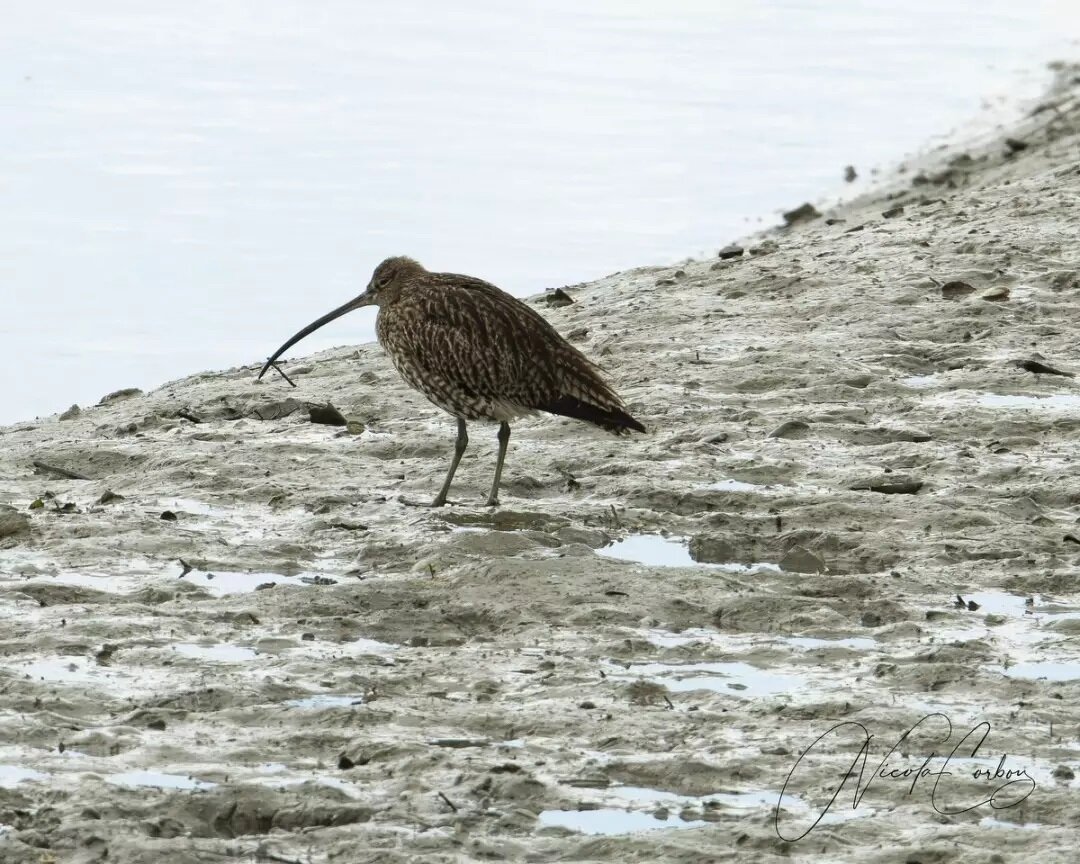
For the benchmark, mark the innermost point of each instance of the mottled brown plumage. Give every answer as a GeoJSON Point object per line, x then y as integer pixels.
{"type": "Point", "coordinates": [479, 354]}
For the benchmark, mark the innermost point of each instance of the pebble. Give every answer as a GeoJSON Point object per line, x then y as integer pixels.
{"type": "Point", "coordinates": [790, 429]}
{"type": "Point", "coordinates": [12, 522]}
{"type": "Point", "coordinates": [802, 213]}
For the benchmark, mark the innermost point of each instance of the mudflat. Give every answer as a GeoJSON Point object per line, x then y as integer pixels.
{"type": "Point", "coordinates": [228, 634]}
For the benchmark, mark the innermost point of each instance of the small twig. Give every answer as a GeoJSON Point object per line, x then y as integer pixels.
{"type": "Point", "coordinates": [449, 803]}
{"type": "Point", "coordinates": [281, 372]}
{"type": "Point", "coordinates": [669, 704]}
{"type": "Point", "coordinates": [63, 472]}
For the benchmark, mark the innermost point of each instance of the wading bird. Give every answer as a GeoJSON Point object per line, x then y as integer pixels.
{"type": "Point", "coordinates": [479, 354]}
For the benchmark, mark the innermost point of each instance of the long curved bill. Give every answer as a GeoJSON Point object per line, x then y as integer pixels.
{"type": "Point", "coordinates": [356, 303]}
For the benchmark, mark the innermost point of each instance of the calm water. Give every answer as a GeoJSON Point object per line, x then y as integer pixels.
{"type": "Point", "coordinates": [185, 185]}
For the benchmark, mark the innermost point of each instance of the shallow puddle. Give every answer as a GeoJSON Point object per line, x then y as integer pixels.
{"type": "Point", "coordinates": [738, 800]}
{"type": "Point", "coordinates": [219, 653]}
{"type": "Point", "coordinates": [218, 582]}
{"type": "Point", "coordinates": [319, 701]}
{"type": "Point", "coordinates": [692, 635]}
{"type": "Point", "coordinates": [69, 671]}
{"type": "Point", "coordinates": [991, 822]}
{"type": "Point", "coordinates": [1051, 670]}
{"type": "Point", "coordinates": [650, 549]}
{"type": "Point", "coordinates": [188, 505]}
{"type": "Point", "coordinates": [1041, 771]}
{"type": "Point", "coordinates": [669, 639]}
{"type": "Point", "coordinates": [112, 682]}
{"type": "Point", "coordinates": [657, 551]}
{"type": "Point", "coordinates": [611, 821]}
{"type": "Point", "coordinates": [1003, 603]}
{"type": "Point", "coordinates": [735, 678]}
{"type": "Point", "coordinates": [920, 382]}
{"type": "Point", "coordinates": [1027, 620]}
{"type": "Point", "coordinates": [12, 775]}
{"type": "Point", "coordinates": [352, 790]}
{"type": "Point", "coordinates": [137, 779]}
{"type": "Point", "coordinates": [1058, 402]}
{"type": "Point", "coordinates": [732, 485]}
{"type": "Point", "coordinates": [223, 582]}
{"type": "Point", "coordinates": [809, 643]}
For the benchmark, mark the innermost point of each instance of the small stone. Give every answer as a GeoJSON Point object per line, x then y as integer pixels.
{"type": "Point", "coordinates": [587, 705]}
{"type": "Point", "coordinates": [276, 410]}
{"type": "Point", "coordinates": [997, 295]}
{"type": "Point", "coordinates": [1064, 772]}
{"type": "Point", "coordinates": [790, 429]}
{"type": "Point", "coordinates": [889, 484]}
{"type": "Point", "coordinates": [109, 496]}
{"type": "Point", "coordinates": [731, 251]}
{"type": "Point", "coordinates": [1037, 367]}
{"type": "Point", "coordinates": [354, 427]}
{"type": "Point", "coordinates": [12, 522]}
{"type": "Point", "coordinates": [712, 550]}
{"type": "Point", "coordinates": [327, 415]}
{"type": "Point", "coordinates": [799, 559]}
{"type": "Point", "coordinates": [956, 289]}
{"type": "Point", "coordinates": [71, 413]}
{"type": "Point", "coordinates": [558, 298]}
{"type": "Point", "coordinates": [1015, 145]}
{"type": "Point", "coordinates": [863, 379]}
{"type": "Point", "coordinates": [168, 516]}
{"type": "Point", "coordinates": [802, 213]}
{"type": "Point", "coordinates": [850, 174]}
{"type": "Point", "coordinates": [120, 395]}
{"type": "Point", "coordinates": [642, 692]}
{"type": "Point", "coordinates": [893, 212]}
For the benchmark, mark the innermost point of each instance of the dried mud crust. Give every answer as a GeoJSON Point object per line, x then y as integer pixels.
{"type": "Point", "coordinates": [252, 649]}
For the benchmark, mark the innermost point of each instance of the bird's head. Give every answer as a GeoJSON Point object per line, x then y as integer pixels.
{"type": "Point", "coordinates": [385, 285]}
{"type": "Point", "coordinates": [388, 280]}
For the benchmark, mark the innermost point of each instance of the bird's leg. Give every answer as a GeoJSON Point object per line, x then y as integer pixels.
{"type": "Point", "coordinates": [459, 448]}
{"type": "Point", "coordinates": [504, 439]}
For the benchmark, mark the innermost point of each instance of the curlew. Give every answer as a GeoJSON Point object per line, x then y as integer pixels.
{"type": "Point", "coordinates": [479, 354]}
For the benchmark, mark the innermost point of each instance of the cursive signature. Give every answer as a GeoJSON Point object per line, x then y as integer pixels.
{"type": "Point", "coordinates": [935, 768]}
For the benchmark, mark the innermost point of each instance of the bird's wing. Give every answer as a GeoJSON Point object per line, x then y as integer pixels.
{"type": "Point", "coordinates": [459, 339]}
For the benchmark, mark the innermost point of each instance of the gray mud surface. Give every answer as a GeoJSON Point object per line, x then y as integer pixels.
{"type": "Point", "coordinates": [256, 649]}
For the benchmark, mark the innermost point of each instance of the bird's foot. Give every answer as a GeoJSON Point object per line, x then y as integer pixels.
{"type": "Point", "coordinates": [492, 502]}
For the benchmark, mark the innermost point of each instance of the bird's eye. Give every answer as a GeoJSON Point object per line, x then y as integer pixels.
{"type": "Point", "coordinates": [382, 281]}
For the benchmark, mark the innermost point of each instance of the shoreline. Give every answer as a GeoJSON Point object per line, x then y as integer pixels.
{"type": "Point", "coordinates": [853, 424]}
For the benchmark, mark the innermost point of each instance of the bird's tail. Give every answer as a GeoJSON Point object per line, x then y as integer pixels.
{"type": "Point", "coordinates": [613, 418]}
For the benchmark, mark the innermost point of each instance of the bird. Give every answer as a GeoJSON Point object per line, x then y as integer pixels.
{"type": "Point", "coordinates": [478, 354]}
